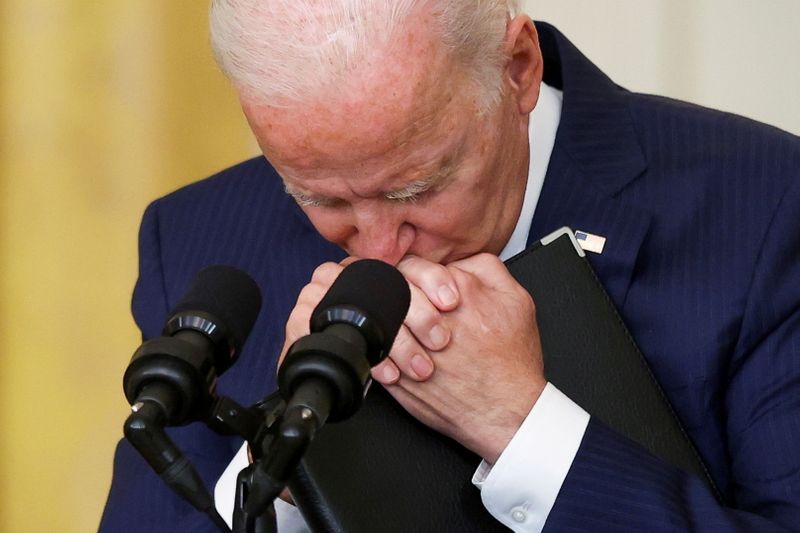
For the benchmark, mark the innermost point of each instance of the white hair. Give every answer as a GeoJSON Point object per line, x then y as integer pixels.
{"type": "Point", "coordinates": [284, 51]}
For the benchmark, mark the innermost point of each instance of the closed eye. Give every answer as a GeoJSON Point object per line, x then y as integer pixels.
{"type": "Point", "coordinates": [410, 194]}
{"type": "Point", "coordinates": [417, 189]}
{"type": "Point", "coordinates": [305, 200]}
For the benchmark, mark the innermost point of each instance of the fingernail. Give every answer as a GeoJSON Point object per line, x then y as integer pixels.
{"type": "Point", "coordinates": [438, 336]}
{"type": "Point", "coordinates": [422, 366]}
{"type": "Point", "coordinates": [390, 373]}
{"type": "Point", "coordinates": [447, 295]}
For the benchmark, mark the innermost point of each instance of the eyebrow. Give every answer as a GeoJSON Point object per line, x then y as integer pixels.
{"type": "Point", "coordinates": [409, 193]}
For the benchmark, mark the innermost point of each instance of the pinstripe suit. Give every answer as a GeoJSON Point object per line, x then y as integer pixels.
{"type": "Point", "coordinates": [701, 210]}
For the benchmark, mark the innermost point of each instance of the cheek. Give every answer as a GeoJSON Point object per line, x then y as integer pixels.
{"type": "Point", "coordinates": [333, 225]}
{"type": "Point", "coordinates": [446, 216]}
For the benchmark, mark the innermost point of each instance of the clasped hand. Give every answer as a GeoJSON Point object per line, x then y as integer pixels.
{"type": "Point", "coordinates": [467, 361]}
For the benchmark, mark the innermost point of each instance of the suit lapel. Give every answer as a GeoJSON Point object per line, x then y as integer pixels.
{"type": "Point", "coordinates": [596, 156]}
{"type": "Point", "coordinates": [567, 199]}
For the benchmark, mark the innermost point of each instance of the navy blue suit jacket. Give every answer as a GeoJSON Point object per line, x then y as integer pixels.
{"type": "Point", "coordinates": [701, 210]}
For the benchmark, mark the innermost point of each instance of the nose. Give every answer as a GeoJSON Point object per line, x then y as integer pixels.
{"type": "Point", "coordinates": [381, 233]}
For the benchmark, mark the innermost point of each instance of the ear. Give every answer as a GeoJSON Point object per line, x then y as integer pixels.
{"type": "Point", "coordinates": [524, 64]}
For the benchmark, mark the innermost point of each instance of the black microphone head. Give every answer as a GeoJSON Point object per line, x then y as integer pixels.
{"type": "Point", "coordinates": [227, 297]}
{"type": "Point", "coordinates": [370, 295]}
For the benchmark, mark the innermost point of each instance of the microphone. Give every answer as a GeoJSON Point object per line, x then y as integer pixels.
{"type": "Point", "coordinates": [171, 379]}
{"type": "Point", "coordinates": [201, 339]}
{"type": "Point", "coordinates": [326, 373]}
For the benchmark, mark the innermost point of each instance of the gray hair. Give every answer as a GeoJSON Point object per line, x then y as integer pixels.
{"type": "Point", "coordinates": [284, 51]}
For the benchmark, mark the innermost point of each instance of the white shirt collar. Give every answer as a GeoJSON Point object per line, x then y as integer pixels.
{"type": "Point", "coordinates": [542, 128]}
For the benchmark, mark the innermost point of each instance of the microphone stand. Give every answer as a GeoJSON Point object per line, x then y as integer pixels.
{"type": "Point", "coordinates": [325, 376]}
{"type": "Point", "coordinates": [278, 435]}
{"type": "Point", "coordinates": [257, 425]}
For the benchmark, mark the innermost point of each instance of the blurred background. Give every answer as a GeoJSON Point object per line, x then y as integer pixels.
{"type": "Point", "coordinates": [105, 106]}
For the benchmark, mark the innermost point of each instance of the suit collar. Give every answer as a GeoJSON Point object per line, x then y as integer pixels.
{"type": "Point", "coordinates": [596, 128]}
{"type": "Point", "coordinates": [596, 155]}
{"type": "Point", "coordinates": [567, 200]}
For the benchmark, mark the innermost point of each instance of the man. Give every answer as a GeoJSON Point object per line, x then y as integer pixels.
{"type": "Point", "coordinates": [402, 132]}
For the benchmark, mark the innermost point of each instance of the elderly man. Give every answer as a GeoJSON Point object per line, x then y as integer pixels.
{"type": "Point", "coordinates": [443, 136]}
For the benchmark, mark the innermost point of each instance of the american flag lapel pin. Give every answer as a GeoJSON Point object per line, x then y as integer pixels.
{"type": "Point", "coordinates": [590, 242]}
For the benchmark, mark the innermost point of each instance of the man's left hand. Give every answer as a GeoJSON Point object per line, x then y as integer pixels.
{"type": "Point", "coordinates": [490, 374]}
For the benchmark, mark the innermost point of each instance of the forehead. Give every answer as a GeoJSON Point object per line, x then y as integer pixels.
{"type": "Point", "coordinates": [412, 94]}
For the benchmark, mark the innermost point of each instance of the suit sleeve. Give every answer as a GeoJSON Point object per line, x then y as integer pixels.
{"type": "Point", "coordinates": [615, 485]}
{"type": "Point", "coordinates": [139, 500]}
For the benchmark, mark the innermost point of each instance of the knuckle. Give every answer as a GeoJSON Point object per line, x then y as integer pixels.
{"type": "Point", "coordinates": [298, 320]}
{"type": "Point", "coordinates": [487, 260]}
{"type": "Point", "coordinates": [421, 271]}
{"type": "Point", "coordinates": [530, 303]}
{"type": "Point", "coordinates": [463, 278]}
{"type": "Point", "coordinates": [407, 262]}
{"type": "Point", "coordinates": [326, 272]}
{"type": "Point", "coordinates": [310, 296]}
{"type": "Point", "coordinates": [437, 275]}
{"type": "Point", "coordinates": [403, 345]}
{"type": "Point", "coordinates": [307, 293]}
{"type": "Point", "coordinates": [421, 315]}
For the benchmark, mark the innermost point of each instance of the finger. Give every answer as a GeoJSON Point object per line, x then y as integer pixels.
{"type": "Point", "coordinates": [349, 260]}
{"type": "Point", "coordinates": [487, 268]}
{"type": "Point", "coordinates": [386, 372]}
{"type": "Point", "coordinates": [297, 325]}
{"type": "Point", "coordinates": [486, 272]}
{"type": "Point", "coordinates": [326, 273]}
{"type": "Point", "coordinates": [425, 322]}
{"type": "Point", "coordinates": [321, 279]}
{"type": "Point", "coordinates": [410, 397]}
{"type": "Point", "coordinates": [408, 357]}
{"type": "Point", "coordinates": [433, 279]}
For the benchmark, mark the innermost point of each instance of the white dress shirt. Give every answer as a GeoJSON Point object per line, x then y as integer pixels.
{"type": "Point", "coordinates": [521, 487]}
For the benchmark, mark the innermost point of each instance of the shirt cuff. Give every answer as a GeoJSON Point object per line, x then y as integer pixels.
{"type": "Point", "coordinates": [521, 488]}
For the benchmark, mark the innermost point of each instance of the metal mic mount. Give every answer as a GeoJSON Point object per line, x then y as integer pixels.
{"type": "Point", "coordinates": [278, 436]}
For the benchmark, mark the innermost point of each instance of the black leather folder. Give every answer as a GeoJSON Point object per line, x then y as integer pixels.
{"type": "Point", "coordinates": [384, 471]}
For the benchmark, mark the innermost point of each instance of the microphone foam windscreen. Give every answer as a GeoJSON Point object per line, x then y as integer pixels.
{"type": "Point", "coordinates": [227, 294]}
{"type": "Point", "coordinates": [375, 288]}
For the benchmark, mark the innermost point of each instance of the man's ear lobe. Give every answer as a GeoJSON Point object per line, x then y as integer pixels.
{"type": "Point", "coordinates": [525, 66]}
